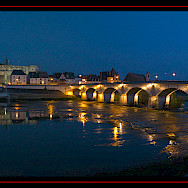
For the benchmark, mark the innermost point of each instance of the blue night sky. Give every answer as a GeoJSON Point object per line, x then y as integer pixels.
{"type": "Point", "coordinates": [87, 42]}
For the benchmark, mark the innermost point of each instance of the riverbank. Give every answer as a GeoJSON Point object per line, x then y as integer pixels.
{"type": "Point", "coordinates": [170, 169]}
{"type": "Point", "coordinates": [37, 94]}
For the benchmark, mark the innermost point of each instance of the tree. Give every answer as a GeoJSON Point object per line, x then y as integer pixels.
{"type": "Point", "coordinates": [143, 98]}
{"type": "Point", "coordinates": [175, 101]}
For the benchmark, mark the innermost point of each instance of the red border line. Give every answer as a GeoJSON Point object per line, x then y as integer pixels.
{"type": "Point", "coordinates": [93, 181]}
{"type": "Point", "coordinates": [94, 6]}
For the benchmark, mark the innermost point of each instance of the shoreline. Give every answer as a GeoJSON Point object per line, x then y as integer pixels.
{"type": "Point", "coordinates": [175, 169]}
{"type": "Point", "coordinates": [172, 168]}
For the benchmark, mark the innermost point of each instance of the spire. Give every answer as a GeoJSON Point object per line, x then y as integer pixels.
{"type": "Point", "coordinates": [6, 62]}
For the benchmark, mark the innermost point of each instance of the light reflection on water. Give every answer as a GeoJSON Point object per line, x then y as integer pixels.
{"type": "Point", "coordinates": [105, 135]}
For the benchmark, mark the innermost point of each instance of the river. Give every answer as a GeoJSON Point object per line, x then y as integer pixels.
{"type": "Point", "coordinates": [82, 138]}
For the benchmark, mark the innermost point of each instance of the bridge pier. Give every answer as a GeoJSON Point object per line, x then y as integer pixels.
{"type": "Point", "coordinates": [123, 99]}
{"type": "Point", "coordinates": [153, 102]}
{"type": "Point", "coordinates": [136, 99]}
{"type": "Point", "coordinates": [69, 92]}
{"type": "Point", "coordinates": [112, 96]}
{"type": "Point", "coordinates": [83, 96]}
{"type": "Point", "coordinates": [94, 95]}
{"type": "Point", "coordinates": [100, 97]}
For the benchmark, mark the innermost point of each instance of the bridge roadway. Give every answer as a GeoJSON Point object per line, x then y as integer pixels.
{"type": "Point", "coordinates": [159, 91]}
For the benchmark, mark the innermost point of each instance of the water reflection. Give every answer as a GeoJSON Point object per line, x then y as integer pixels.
{"type": "Point", "coordinates": [115, 132]}
{"type": "Point", "coordinates": [149, 137]}
{"type": "Point", "coordinates": [112, 125]}
{"type": "Point", "coordinates": [82, 118]}
{"type": "Point", "coordinates": [50, 109]}
{"type": "Point", "coordinates": [172, 149]}
{"type": "Point", "coordinates": [21, 114]}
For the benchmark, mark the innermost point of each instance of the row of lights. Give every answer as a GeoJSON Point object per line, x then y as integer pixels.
{"type": "Point", "coordinates": [174, 74]}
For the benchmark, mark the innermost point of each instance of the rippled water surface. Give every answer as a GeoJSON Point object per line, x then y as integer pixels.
{"type": "Point", "coordinates": [78, 138]}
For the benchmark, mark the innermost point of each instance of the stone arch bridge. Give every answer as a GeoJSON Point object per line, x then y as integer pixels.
{"type": "Point", "coordinates": [158, 92]}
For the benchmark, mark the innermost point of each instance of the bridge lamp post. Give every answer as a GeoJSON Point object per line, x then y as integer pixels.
{"type": "Point", "coordinates": [165, 76]}
{"type": "Point", "coordinates": [173, 75]}
{"type": "Point", "coordinates": [156, 77]}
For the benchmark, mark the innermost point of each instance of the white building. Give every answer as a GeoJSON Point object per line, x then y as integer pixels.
{"type": "Point", "coordinates": [40, 78]}
{"type": "Point", "coordinates": [39, 81]}
{"type": "Point", "coordinates": [18, 77]}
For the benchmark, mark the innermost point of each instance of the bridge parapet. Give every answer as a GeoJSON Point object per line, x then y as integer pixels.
{"type": "Point", "coordinates": [100, 88]}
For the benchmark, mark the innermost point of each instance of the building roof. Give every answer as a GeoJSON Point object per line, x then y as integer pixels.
{"type": "Point", "coordinates": [17, 72]}
{"type": "Point", "coordinates": [33, 75]}
{"type": "Point", "coordinates": [56, 75]}
{"type": "Point", "coordinates": [90, 77]}
{"type": "Point", "coordinates": [69, 75]}
{"type": "Point", "coordinates": [132, 77]}
{"type": "Point", "coordinates": [43, 74]}
{"type": "Point", "coordinates": [38, 75]}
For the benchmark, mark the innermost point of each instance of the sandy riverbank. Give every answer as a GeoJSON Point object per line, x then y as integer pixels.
{"type": "Point", "coordinates": [37, 94]}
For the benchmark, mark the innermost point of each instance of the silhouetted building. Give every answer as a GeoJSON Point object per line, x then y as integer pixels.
{"type": "Point", "coordinates": [109, 76]}
{"type": "Point", "coordinates": [132, 77]}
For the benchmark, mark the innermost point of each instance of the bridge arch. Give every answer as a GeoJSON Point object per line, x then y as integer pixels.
{"type": "Point", "coordinates": [137, 96]}
{"type": "Point", "coordinates": [76, 92]}
{"type": "Point", "coordinates": [111, 95]}
{"type": "Point", "coordinates": [164, 97]}
{"type": "Point", "coordinates": [91, 94]}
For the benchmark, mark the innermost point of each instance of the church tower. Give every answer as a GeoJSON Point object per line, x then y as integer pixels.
{"type": "Point", "coordinates": [147, 77]}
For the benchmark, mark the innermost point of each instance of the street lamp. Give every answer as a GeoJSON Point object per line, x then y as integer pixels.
{"type": "Point", "coordinates": [156, 77]}
{"type": "Point", "coordinates": [173, 75]}
{"type": "Point", "coordinates": [165, 76]}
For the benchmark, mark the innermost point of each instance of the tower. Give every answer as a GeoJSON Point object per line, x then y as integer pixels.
{"type": "Point", "coordinates": [6, 61]}
{"type": "Point", "coordinates": [147, 77]}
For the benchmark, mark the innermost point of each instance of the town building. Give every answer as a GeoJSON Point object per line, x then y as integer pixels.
{"type": "Point", "coordinates": [18, 77]}
{"type": "Point", "coordinates": [109, 76]}
{"type": "Point", "coordinates": [89, 79]}
{"type": "Point", "coordinates": [40, 78]}
{"type": "Point", "coordinates": [54, 79]}
{"type": "Point", "coordinates": [6, 70]}
{"type": "Point", "coordinates": [32, 78]}
{"type": "Point", "coordinates": [68, 78]}
{"type": "Point", "coordinates": [132, 77]}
